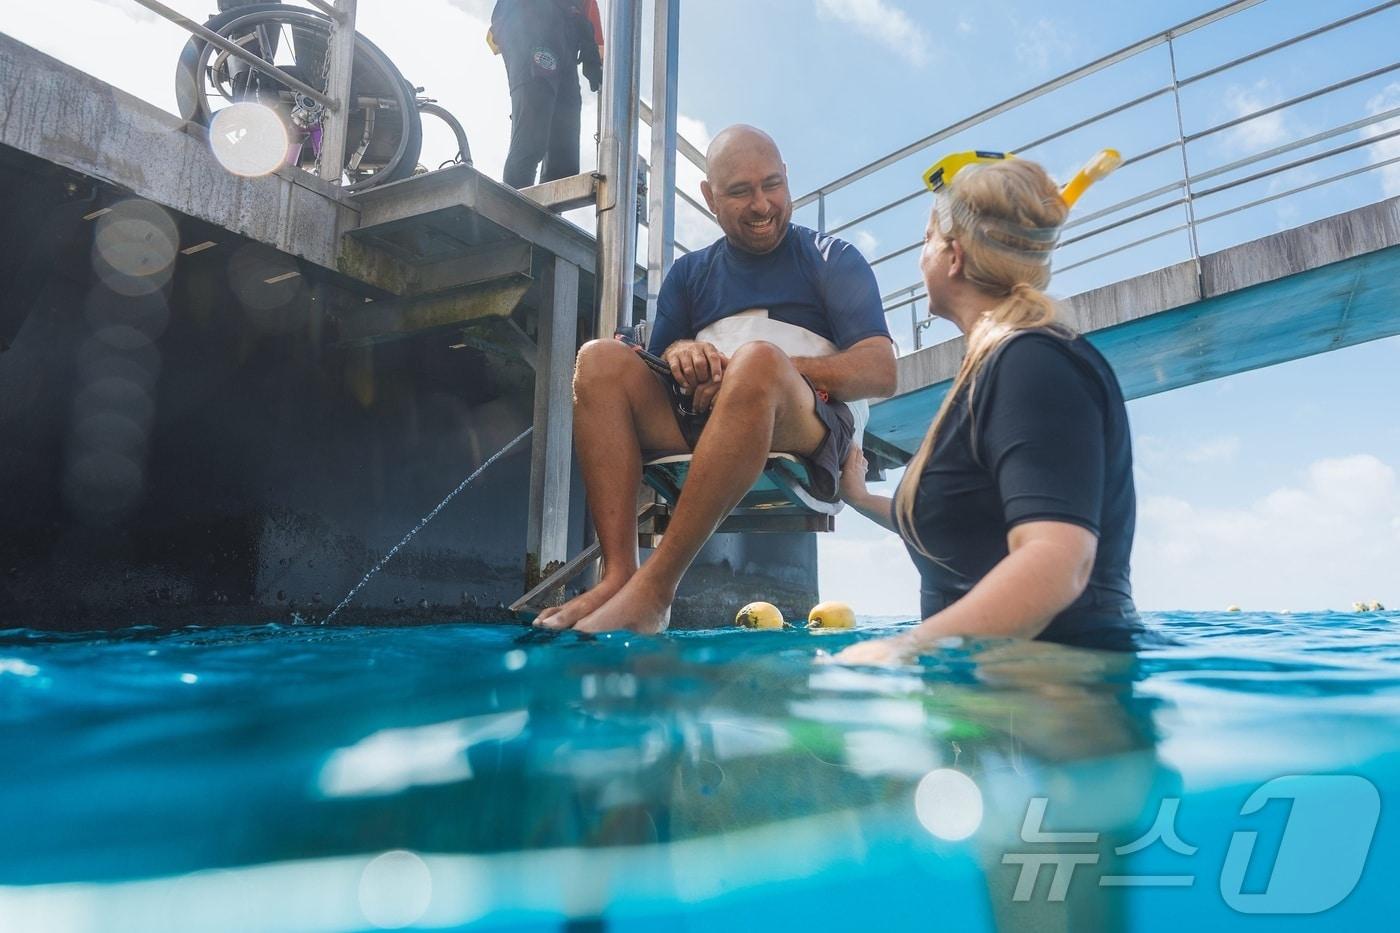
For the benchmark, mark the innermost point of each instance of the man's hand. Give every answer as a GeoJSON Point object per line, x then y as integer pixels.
{"type": "Point", "coordinates": [695, 363]}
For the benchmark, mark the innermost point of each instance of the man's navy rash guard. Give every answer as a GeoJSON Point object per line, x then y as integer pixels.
{"type": "Point", "coordinates": [1048, 440]}
{"type": "Point", "coordinates": [821, 284]}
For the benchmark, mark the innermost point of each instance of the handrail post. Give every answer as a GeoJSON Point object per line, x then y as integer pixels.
{"type": "Point", "coordinates": [340, 62]}
{"type": "Point", "coordinates": [617, 162]}
{"type": "Point", "coordinates": [821, 213]}
{"type": "Point", "coordinates": [914, 317]}
{"type": "Point", "coordinates": [1185, 162]}
{"type": "Point", "coordinates": [661, 229]}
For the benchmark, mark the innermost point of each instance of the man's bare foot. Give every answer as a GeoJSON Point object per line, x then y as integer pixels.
{"type": "Point", "coordinates": [567, 615]}
{"type": "Point", "coordinates": [637, 606]}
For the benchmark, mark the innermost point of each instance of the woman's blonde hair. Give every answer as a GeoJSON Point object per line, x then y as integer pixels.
{"type": "Point", "coordinates": [1006, 216]}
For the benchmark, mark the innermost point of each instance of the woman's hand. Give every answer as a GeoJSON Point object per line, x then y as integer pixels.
{"type": "Point", "coordinates": [880, 652]}
{"type": "Point", "coordinates": [852, 487]}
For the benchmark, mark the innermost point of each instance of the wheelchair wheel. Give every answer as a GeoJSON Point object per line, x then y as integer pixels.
{"type": "Point", "coordinates": [384, 131]}
{"type": "Point", "coordinates": [464, 149]}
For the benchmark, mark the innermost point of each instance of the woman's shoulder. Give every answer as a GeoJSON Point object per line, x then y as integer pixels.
{"type": "Point", "coordinates": [1044, 357]}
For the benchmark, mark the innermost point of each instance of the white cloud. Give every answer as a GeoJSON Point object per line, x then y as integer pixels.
{"type": "Point", "coordinates": [965, 26]}
{"type": "Point", "coordinates": [480, 9]}
{"type": "Point", "coordinates": [865, 241]}
{"type": "Point", "coordinates": [880, 21]}
{"type": "Point", "coordinates": [1330, 540]}
{"type": "Point", "coordinates": [867, 567]}
{"type": "Point", "coordinates": [1043, 44]}
{"type": "Point", "coordinates": [694, 130]}
{"type": "Point", "coordinates": [1220, 450]}
{"type": "Point", "coordinates": [1271, 129]}
{"type": "Point", "coordinates": [1387, 99]}
{"type": "Point", "coordinates": [138, 13]}
{"type": "Point", "coordinates": [1155, 456]}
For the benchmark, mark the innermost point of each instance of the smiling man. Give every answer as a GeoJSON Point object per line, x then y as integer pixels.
{"type": "Point", "coordinates": [775, 336]}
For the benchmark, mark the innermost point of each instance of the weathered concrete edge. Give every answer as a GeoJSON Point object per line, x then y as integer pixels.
{"type": "Point", "coordinates": [55, 112]}
{"type": "Point", "coordinates": [461, 186]}
{"type": "Point", "coordinates": [1311, 246]}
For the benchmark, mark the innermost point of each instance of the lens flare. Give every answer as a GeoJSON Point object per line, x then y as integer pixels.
{"type": "Point", "coordinates": [948, 804]}
{"type": "Point", "coordinates": [133, 249]}
{"type": "Point", "coordinates": [395, 889]}
{"type": "Point", "coordinates": [248, 139]}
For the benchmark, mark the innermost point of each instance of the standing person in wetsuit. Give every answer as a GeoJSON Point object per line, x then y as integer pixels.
{"type": "Point", "coordinates": [543, 42]}
{"type": "Point", "coordinates": [1018, 508]}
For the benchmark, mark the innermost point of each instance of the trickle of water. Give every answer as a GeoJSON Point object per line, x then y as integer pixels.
{"type": "Point", "coordinates": [419, 527]}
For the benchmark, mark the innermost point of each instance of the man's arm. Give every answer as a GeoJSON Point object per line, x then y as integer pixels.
{"type": "Point", "coordinates": [866, 369]}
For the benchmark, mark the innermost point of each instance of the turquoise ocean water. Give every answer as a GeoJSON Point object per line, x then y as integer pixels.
{"type": "Point", "coordinates": [306, 778]}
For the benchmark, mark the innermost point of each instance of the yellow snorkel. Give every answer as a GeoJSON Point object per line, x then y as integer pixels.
{"type": "Point", "coordinates": [1103, 164]}
{"type": "Point", "coordinates": [941, 173]}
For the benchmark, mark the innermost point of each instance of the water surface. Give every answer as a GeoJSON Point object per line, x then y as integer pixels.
{"type": "Point", "coordinates": [329, 778]}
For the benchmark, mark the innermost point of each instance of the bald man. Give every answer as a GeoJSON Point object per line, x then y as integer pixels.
{"type": "Point", "coordinates": [775, 336]}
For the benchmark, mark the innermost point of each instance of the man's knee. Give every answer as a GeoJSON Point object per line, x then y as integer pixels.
{"type": "Point", "coordinates": [759, 367]}
{"type": "Point", "coordinates": [602, 360]}
{"type": "Point", "coordinates": [759, 354]}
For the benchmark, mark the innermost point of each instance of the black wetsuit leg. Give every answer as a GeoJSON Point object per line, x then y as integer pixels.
{"type": "Point", "coordinates": [532, 106]}
{"type": "Point", "coordinates": [562, 157]}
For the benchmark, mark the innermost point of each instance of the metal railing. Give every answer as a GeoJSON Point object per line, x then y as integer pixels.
{"type": "Point", "coordinates": [1184, 192]}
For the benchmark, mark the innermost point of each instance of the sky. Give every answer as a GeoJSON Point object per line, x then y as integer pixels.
{"type": "Point", "coordinates": [1275, 489]}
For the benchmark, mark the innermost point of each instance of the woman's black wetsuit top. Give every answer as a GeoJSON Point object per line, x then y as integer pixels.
{"type": "Point", "coordinates": [1048, 440]}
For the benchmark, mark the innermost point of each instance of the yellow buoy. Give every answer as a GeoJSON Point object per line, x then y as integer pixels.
{"type": "Point", "coordinates": [832, 615]}
{"type": "Point", "coordinates": [760, 615]}
{"type": "Point", "coordinates": [1375, 606]}
{"type": "Point", "coordinates": [1232, 609]}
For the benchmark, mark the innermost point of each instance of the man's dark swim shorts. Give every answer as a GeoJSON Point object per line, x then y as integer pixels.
{"type": "Point", "coordinates": [824, 463]}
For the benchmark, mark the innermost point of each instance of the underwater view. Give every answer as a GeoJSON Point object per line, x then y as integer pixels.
{"type": "Point", "coordinates": [478, 776]}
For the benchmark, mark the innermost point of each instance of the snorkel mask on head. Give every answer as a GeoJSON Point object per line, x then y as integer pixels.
{"type": "Point", "coordinates": [1032, 245]}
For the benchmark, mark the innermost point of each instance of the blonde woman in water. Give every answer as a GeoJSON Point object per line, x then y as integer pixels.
{"type": "Point", "coordinates": [1018, 507]}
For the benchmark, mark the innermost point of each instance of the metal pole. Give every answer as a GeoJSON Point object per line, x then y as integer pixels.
{"type": "Point", "coordinates": [661, 232]}
{"type": "Point", "coordinates": [547, 517]}
{"type": "Point", "coordinates": [1185, 162]}
{"type": "Point", "coordinates": [340, 61]}
{"type": "Point", "coordinates": [238, 52]}
{"type": "Point", "coordinates": [914, 317]}
{"type": "Point", "coordinates": [617, 161]}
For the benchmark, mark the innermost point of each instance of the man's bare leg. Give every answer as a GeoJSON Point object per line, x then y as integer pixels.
{"type": "Point", "coordinates": [764, 405]}
{"type": "Point", "coordinates": [620, 409]}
